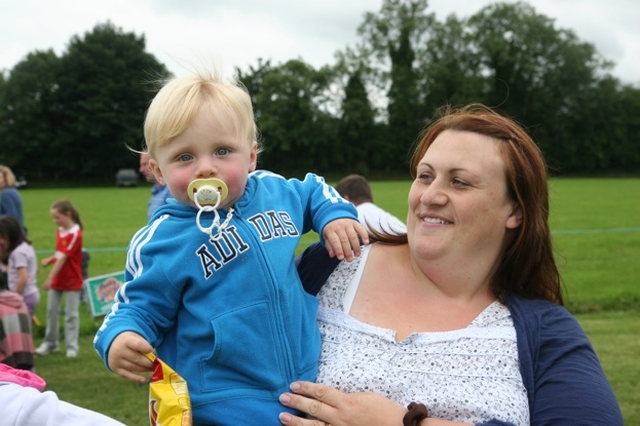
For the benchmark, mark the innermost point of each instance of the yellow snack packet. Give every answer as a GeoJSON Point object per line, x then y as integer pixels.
{"type": "Point", "coordinates": [169, 403]}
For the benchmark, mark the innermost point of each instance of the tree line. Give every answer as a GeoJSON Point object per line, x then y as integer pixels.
{"type": "Point", "coordinates": [74, 117]}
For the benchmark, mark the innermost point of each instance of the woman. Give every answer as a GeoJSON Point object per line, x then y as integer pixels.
{"type": "Point", "coordinates": [462, 315]}
{"type": "Point", "coordinates": [10, 200]}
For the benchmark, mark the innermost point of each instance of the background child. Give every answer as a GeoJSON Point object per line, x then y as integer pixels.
{"type": "Point", "coordinates": [20, 257]}
{"type": "Point", "coordinates": [65, 278]}
{"type": "Point", "coordinates": [213, 288]}
{"type": "Point", "coordinates": [356, 188]}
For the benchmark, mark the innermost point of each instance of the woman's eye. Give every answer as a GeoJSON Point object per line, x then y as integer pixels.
{"type": "Point", "coordinates": [458, 182]}
{"type": "Point", "coordinates": [425, 177]}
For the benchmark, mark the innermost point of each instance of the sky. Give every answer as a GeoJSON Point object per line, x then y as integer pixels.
{"type": "Point", "coordinates": [236, 33]}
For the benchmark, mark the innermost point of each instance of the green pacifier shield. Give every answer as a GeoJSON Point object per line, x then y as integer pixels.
{"type": "Point", "coordinates": [207, 191]}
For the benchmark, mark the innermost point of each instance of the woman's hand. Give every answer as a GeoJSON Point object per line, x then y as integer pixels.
{"type": "Point", "coordinates": [331, 406]}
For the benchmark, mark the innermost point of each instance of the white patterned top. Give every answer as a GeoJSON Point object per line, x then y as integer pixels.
{"type": "Point", "coordinates": [468, 375]}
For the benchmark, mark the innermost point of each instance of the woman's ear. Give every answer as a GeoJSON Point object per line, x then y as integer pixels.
{"type": "Point", "coordinates": [515, 218]}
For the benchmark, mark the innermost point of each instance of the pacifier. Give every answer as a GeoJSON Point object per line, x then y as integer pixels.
{"type": "Point", "coordinates": [207, 192]}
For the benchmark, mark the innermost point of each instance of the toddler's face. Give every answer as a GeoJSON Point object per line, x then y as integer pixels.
{"type": "Point", "coordinates": [209, 147]}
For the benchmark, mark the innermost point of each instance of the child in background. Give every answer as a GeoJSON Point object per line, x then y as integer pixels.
{"type": "Point", "coordinates": [210, 282]}
{"type": "Point", "coordinates": [20, 257]}
{"type": "Point", "coordinates": [65, 278]}
{"type": "Point", "coordinates": [356, 188]}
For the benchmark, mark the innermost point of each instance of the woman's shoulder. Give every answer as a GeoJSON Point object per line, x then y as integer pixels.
{"type": "Point", "coordinates": [11, 193]}
{"type": "Point", "coordinates": [546, 317]}
{"type": "Point", "coordinates": [539, 306]}
{"type": "Point", "coordinates": [315, 266]}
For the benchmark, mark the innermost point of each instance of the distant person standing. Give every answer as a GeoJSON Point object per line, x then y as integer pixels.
{"type": "Point", "coordinates": [355, 188]}
{"type": "Point", "coordinates": [65, 278]}
{"type": "Point", "coordinates": [159, 192]}
{"type": "Point", "coordinates": [10, 200]}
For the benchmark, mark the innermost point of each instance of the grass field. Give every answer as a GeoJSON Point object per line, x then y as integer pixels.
{"type": "Point", "coordinates": [596, 231]}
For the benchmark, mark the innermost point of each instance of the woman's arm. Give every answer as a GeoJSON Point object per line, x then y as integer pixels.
{"type": "Point", "coordinates": [331, 406]}
{"type": "Point", "coordinates": [570, 386]}
{"type": "Point", "coordinates": [314, 267]}
{"type": "Point", "coordinates": [338, 408]}
{"type": "Point", "coordinates": [11, 204]}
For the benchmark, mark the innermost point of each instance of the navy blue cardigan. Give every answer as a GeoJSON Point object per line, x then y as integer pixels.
{"type": "Point", "coordinates": [564, 379]}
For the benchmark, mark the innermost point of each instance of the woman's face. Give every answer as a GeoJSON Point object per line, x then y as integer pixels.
{"type": "Point", "coordinates": [458, 203]}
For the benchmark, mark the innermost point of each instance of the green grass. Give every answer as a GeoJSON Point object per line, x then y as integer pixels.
{"type": "Point", "coordinates": [86, 382]}
{"type": "Point", "coordinates": [596, 229]}
{"type": "Point", "coordinates": [596, 234]}
{"type": "Point", "coordinates": [614, 336]}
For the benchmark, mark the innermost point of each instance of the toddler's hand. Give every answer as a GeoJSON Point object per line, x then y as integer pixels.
{"type": "Point", "coordinates": [126, 356]}
{"type": "Point", "coordinates": [341, 238]}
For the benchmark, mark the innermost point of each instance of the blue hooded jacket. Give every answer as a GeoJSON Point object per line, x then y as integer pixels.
{"type": "Point", "coordinates": [230, 316]}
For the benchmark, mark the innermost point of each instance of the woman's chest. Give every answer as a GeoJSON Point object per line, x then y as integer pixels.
{"type": "Point", "coordinates": [464, 375]}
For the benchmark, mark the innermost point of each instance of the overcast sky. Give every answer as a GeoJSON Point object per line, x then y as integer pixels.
{"type": "Point", "coordinates": [238, 32]}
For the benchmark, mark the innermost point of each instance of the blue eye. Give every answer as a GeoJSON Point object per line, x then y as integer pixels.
{"type": "Point", "coordinates": [425, 177]}
{"type": "Point", "coordinates": [222, 151]}
{"type": "Point", "coordinates": [185, 157]}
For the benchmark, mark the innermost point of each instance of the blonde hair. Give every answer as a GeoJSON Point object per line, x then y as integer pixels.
{"type": "Point", "coordinates": [177, 103]}
{"type": "Point", "coordinates": [9, 177]}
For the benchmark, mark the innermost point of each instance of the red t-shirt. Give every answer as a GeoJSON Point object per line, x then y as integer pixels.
{"type": "Point", "coordinates": [69, 243]}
